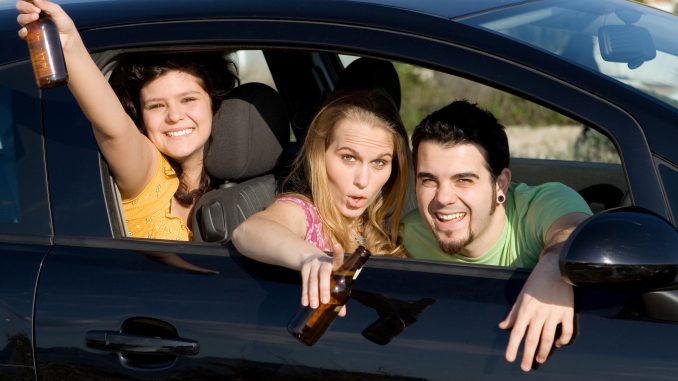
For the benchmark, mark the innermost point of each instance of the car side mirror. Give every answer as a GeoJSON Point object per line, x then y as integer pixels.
{"type": "Point", "coordinates": [629, 44]}
{"type": "Point", "coordinates": [627, 246]}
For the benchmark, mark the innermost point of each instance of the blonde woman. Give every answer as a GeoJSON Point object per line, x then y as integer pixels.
{"type": "Point", "coordinates": [349, 183]}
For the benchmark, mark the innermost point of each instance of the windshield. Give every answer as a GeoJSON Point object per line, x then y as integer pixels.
{"type": "Point", "coordinates": [629, 42]}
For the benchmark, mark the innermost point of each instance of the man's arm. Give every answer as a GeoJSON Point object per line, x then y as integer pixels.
{"type": "Point", "coordinates": [545, 301]}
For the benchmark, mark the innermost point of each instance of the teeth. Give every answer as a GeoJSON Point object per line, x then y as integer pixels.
{"type": "Point", "coordinates": [450, 217]}
{"type": "Point", "coordinates": [179, 133]}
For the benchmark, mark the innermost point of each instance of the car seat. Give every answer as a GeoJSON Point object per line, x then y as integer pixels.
{"type": "Point", "coordinates": [249, 135]}
{"type": "Point", "coordinates": [369, 73]}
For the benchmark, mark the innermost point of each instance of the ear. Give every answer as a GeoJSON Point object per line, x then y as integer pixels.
{"type": "Point", "coordinates": [503, 181]}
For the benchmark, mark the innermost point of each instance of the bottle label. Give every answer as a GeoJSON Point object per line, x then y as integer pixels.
{"type": "Point", "coordinates": [46, 55]}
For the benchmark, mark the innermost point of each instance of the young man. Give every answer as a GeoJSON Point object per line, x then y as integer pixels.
{"type": "Point", "coordinates": [470, 212]}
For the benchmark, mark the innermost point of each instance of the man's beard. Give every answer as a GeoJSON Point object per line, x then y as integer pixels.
{"type": "Point", "coordinates": [457, 245]}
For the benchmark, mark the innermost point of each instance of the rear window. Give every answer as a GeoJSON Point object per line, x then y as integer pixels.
{"type": "Point", "coordinates": [23, 192]}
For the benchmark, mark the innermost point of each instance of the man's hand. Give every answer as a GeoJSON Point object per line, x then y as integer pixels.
{"type": "Point", "coordinates": [545, 302]}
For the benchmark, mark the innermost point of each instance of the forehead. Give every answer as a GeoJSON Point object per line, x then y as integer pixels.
{"type": "Point", "coordinates": [357, 134]}
{"type": "Point", "coordinates": [443, 160]}
{"type": "Point", "coordinates": [173, 80]}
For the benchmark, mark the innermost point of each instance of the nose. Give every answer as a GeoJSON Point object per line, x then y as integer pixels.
{"type": "Point", "coordinates": [445, 195]}
{"type": "Point", "coordinates": [361, 177]}
{"type": "Point", "coordinates": [174, 113]}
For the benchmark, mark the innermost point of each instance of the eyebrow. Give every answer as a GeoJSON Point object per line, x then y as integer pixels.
{"type": "Point", "coordinates": [178, 96]}
{"type": "Point", "coordinates": [356, 153]}
{"type": "Point", "coordinates": [462, 175]}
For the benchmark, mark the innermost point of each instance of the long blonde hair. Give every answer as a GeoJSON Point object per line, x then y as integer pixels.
{"type": "Point", "coordinates": [381, 219]}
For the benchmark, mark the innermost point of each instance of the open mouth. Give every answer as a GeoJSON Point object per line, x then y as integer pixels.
{"type": "Point", "coordinates": [452, 217]}
{"type": "Point", "coordinates": [356, 201]}
{"type": "Point", "coordinates": [174, 134]}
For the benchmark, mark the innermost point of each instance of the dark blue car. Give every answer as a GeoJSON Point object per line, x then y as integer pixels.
{"type": "Point", "coordinates": [81, 301]}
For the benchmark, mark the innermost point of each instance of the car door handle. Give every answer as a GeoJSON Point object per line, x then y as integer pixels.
{"type": "Point", "coordinates": [114, 341]}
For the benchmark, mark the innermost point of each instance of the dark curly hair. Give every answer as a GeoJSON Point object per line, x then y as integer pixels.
{"type": "Point", "coordinates": [133, 72]}
{"type": "Point", "coordinates": [462, 122]}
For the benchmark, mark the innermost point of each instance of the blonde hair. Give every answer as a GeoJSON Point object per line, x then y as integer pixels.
{"type": "Point", "coordinates": [380, 221]}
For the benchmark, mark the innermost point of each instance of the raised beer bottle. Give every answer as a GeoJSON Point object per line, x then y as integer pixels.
{"type": "Point", "coordinates": [309, 324]}
{"type": "Point", "coordinates": [47, 57]}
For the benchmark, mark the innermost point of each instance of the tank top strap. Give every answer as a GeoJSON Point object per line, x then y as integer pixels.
{"type": "Point", "coordinates": [315, 233]}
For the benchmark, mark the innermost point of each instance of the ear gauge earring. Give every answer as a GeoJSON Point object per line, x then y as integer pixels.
{"type": "Point", "coordinates": [501, 199]}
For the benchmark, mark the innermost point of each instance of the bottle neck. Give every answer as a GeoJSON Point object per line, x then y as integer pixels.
{"type": "Point", "coordinates": [356, 260]}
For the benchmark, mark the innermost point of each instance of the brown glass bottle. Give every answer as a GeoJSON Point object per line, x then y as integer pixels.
{"type": "Point", "coordinates": [309, 324]}
{"type": "Point", "coordinates": [47, 57]}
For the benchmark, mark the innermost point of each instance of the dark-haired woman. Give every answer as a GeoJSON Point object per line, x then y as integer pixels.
{"type": "Point", "coordinates": [152, 137]}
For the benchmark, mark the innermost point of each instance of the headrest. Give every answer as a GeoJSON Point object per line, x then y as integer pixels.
{"type": "Point", "coordinates": [367, 74]}
{"type": "Point", "coordinates": [250, 131]}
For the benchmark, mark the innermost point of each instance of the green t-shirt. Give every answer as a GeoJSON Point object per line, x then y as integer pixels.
{"type": "Point", "coordinates": [530, 212]}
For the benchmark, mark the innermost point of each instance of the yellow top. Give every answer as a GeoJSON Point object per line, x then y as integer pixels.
{"type": "Point", "coordinates": [148, 215]}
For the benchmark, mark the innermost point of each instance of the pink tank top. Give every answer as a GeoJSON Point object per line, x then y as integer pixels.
{"type": "Point", "coordinates": [315, 234]}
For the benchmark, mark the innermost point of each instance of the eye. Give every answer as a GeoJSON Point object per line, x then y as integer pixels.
{"type": "Point", "coordinates": [189, 99]}
{"type": "Point", "coordinates": [153, 106]}
{"type": "Point", "coordinates": [347, 157]}
{"type": "Point", "coordinates": [429, 183]}
{"type": "Point", "coordinates": [465, 181]}
{"type": "Point", "coordinates": [380, 163]}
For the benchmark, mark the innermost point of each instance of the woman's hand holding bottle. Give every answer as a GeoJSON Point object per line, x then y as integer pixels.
{"type": "Point", "coordinates": [316, 272]}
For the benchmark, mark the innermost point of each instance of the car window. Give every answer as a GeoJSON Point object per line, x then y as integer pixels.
{"type": "Point", "coordinates": [23, 196]}
{"type": "Point", "coordinates": [533, 130]}
{"type": "Point", "coordinates": [252, 67]}
{"type": "Point", "coordinates": [630, 45]}
{"type": "Point", "coordinates": [545, 145]}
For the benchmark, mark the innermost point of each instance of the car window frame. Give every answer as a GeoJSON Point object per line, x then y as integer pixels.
{"type": "Point", "coordinates": [457, 58]}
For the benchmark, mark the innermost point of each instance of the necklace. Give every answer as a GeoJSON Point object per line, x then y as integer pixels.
{"type": "Point", "coordinates": [360, 239]}
{"type": "Point", "coordinates": [359, 232]}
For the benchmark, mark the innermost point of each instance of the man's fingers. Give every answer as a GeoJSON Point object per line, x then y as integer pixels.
{"type": "Point", "coordinates": [509, 320]}
{"type": "Point", "coordinates": [530, 346]}
{"type": "Point", "coordinates": [546, 342]}
{"type": "Point", "coordinates": [516, 336]}
{"type": "Point", "coordinates": [566, 331]}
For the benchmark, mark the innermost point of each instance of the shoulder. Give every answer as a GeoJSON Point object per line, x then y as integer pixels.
{"type": "Point", "coordinates": [547, 195]}
{"type": "Point", "coordinates": [296, 199]}
{"type": "Point", "coordinates": [531, 191]}
{"type": "Point", "coordinates": [412, 218]}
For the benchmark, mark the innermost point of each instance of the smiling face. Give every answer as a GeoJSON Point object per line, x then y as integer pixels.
{"type": "Point", "coordinates": [457, 196]}
{"type": "Point", "coordinates": [177, 115]}
{"type": "Point", "coordinates": [358, 162]}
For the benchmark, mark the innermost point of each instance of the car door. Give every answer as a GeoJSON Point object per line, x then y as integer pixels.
{"type": "Point", "coordinates": [111, 308]}
{"type": "Point", "coordinates": [25, 222]}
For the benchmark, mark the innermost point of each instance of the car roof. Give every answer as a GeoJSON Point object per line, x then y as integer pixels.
{"type": "Point", "coordinates": [446, 9]}
{"type": "Point", "coordinates": [90, 14]}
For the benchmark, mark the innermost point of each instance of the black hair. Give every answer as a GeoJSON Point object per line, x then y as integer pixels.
{"type": "Point", "coordinates": [462, 122]}
{"type": "Point", "coordinates": [132, 73]}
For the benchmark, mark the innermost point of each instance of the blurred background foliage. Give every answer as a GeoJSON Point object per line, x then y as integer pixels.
{"type": "Point", "coordinates": [424, 91]}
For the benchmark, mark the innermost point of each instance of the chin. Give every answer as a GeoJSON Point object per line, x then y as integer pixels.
{"type": "Point", "coordinates": [352, 213]}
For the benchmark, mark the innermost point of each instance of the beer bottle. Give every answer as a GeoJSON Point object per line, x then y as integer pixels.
{"type": "Point", "coordinates": [310, 323]}
{"type": "Point", "coordinates": [47, 57]}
